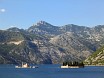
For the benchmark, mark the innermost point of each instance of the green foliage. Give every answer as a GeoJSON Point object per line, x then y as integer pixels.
{"type": "Point", "coordinates": [73, 63]}
{"type": "Point", "coordinates": [95, 58]}
{"type": "Point", "coordinates": [97, 52]}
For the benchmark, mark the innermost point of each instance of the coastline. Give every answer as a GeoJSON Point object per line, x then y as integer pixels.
{"type": "Point", "coordinates": [94, 65]}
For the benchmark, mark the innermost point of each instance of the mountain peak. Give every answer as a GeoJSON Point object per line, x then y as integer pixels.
{"type": "Point", "coordinates": [41, 23]}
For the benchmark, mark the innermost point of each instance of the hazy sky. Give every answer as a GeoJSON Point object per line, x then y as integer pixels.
{"type": "Point", "coordinates": [24, 13]}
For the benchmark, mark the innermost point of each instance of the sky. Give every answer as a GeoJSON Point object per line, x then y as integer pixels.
{"type": "Point", "coordinates": [25, 13]}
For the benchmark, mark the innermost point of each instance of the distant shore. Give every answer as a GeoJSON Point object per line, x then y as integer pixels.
{"type": "Point", "coordinates": [94, 65]}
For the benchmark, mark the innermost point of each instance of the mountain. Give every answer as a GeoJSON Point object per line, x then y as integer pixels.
{"type": "Point", "coordinates": [44, 28]}
{"type": "Point", "coordinates": [97, 58]}
{"type": "Point", "coordinates": [15, 29]}
{"type": "Point", "coordinates": [6, 36]}
{"type": "Point", "coordinates": [17, 47]}
{"type": "Point", "coordinates": [73, 44]}
{"type": "Point", "coordinates": [44, 43]}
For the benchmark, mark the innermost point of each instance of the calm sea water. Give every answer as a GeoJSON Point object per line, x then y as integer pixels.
{"type": "Point", "coordinates": [51, 71]}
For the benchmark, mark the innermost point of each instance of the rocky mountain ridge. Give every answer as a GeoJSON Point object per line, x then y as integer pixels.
{"type": "Point", "coordinates": [45, 43]}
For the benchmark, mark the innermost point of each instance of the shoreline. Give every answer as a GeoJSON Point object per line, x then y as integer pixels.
{"type": "Point", "coordinates": [93, 65]}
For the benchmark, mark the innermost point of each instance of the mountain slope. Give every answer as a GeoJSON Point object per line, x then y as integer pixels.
{"type": "Point", "coordinates": [45, 43]}
{"type": "Point", "coordinates": [73, 44]}
{"type": "Point", "coordinates": [6, 36]}
{"type": "Point", "coordinates": [97, 58]}
{"type": "Point", "coordinates": [19, 47]}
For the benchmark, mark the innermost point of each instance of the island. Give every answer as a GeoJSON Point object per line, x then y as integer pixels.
{"type": "Point", "coordinates": [72, 64]}
{"type": "Point", "coordinates": [25, 65]}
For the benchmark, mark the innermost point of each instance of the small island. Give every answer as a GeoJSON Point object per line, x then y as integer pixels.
{"type": "Point", "coordinates": [72, 64]}
{"type": "Point", "coordinates": [25, 65]}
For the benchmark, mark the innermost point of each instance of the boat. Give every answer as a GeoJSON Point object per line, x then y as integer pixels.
{"type": "Point", "coordinates": [72, 65]}
{"type": "Point", "coordinates": [25, 65]}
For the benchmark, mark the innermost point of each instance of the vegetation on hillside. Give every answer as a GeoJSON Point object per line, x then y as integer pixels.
{"type": "Point", "coordinates": [97, 58]}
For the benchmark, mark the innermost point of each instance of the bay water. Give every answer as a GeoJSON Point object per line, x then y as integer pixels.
{"type": "Point", "coordinates": [51, 71]}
